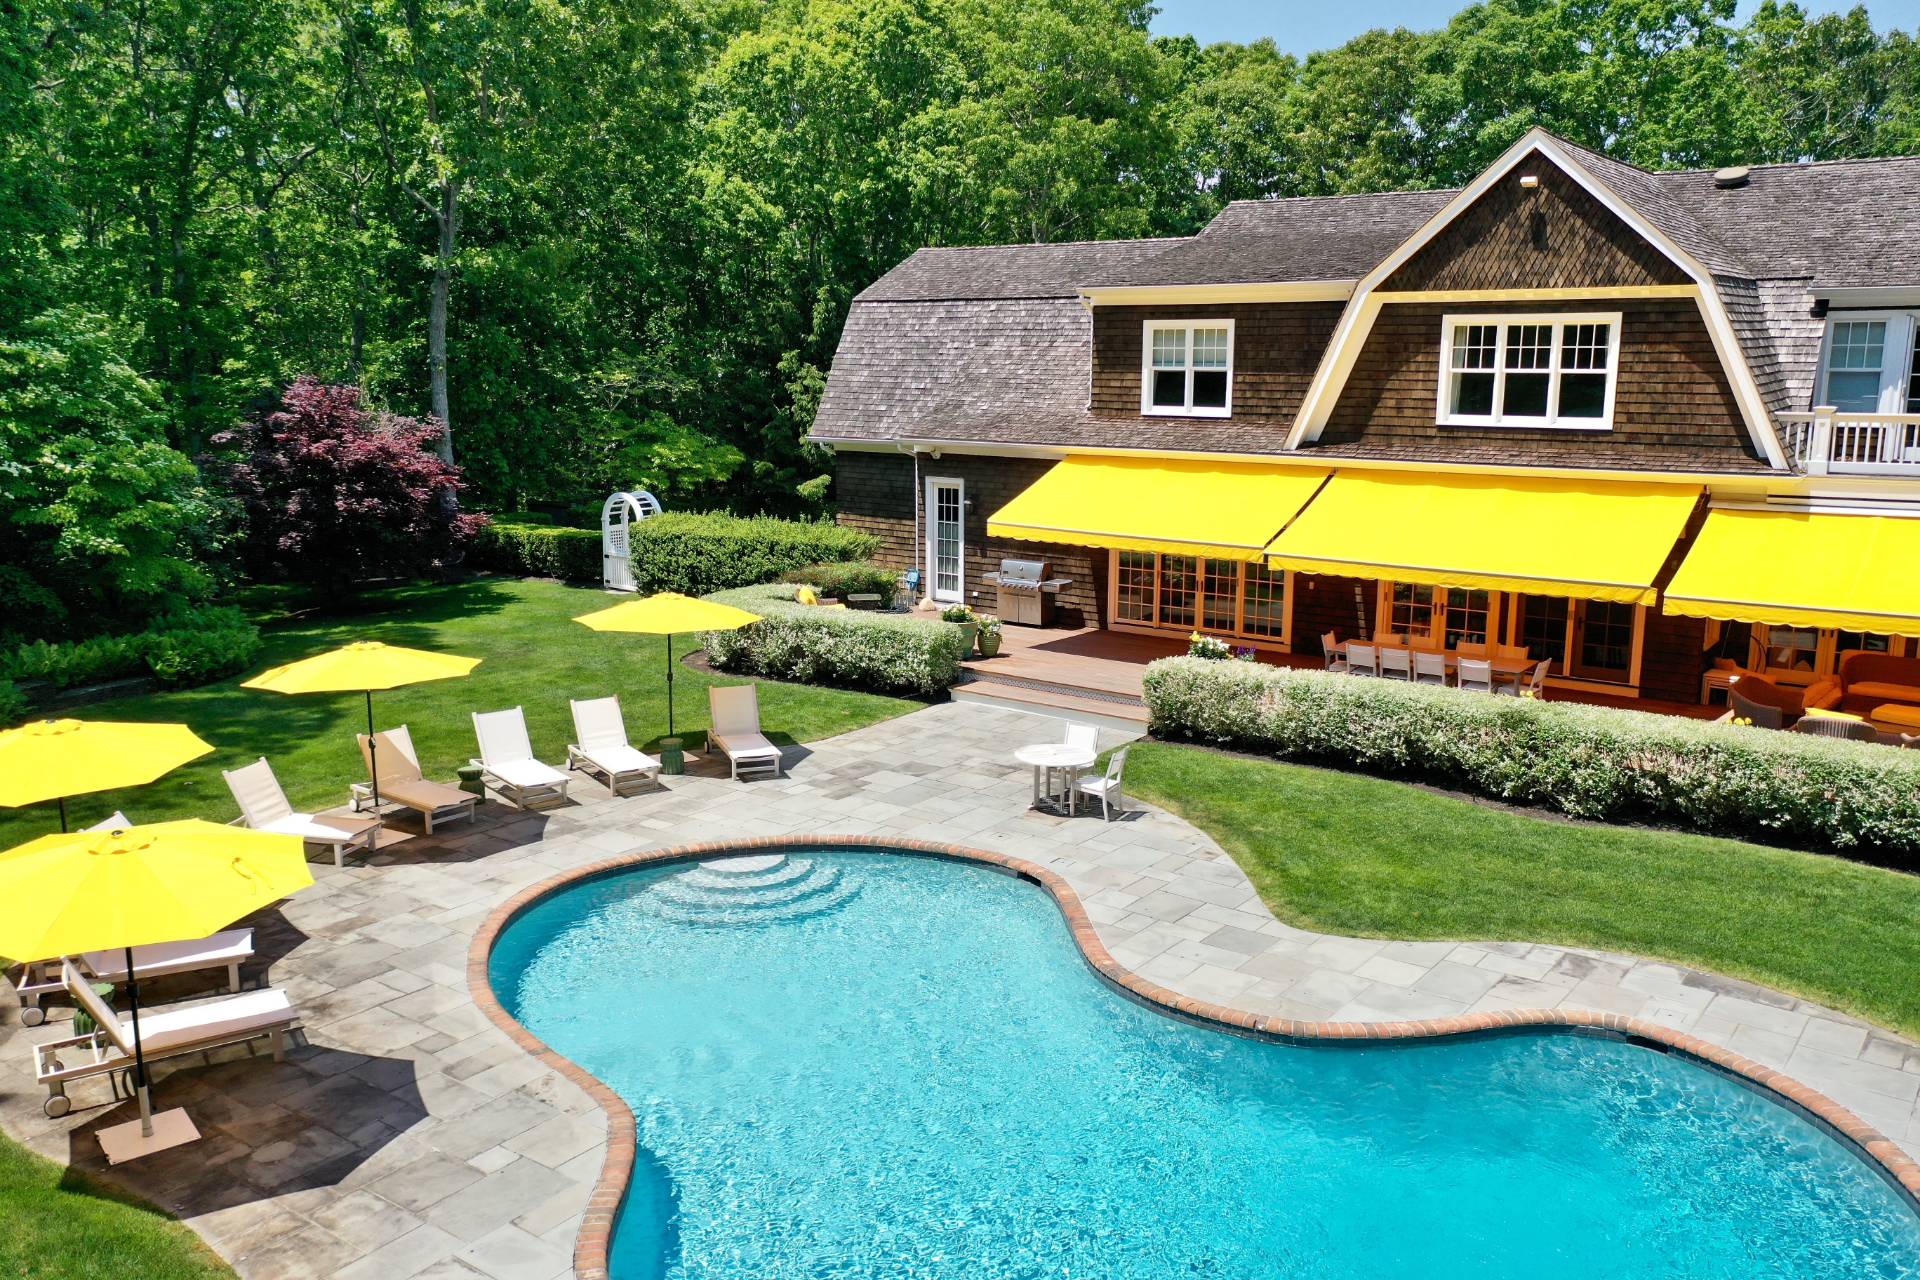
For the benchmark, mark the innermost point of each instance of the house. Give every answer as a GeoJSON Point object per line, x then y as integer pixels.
{"type": "Point", "coordinates": [1646, 425]}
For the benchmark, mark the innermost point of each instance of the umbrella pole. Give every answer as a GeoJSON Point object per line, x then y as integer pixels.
{"type": "Point", "coordinates": [373, 754]}
{"type": "Point", "coordinates": [669, 686]}
{"type": "Point", "coordinates": [63, 815]}
{"type": "Point", "coordinates": [139, 1052]}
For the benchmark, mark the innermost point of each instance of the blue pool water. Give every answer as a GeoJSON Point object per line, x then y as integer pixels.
{"type": "Point", "coordinates": [862, 1066]}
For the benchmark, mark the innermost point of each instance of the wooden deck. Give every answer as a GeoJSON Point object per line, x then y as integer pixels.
{"type": "Point", "coordinates": [1105, 667]}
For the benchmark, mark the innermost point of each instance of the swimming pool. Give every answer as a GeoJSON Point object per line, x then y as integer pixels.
{"type": "Point", "coordinates": [860, 1065]}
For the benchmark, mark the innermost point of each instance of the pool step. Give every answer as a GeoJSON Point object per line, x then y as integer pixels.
{"type": "Point", "coordinates": [755, 890]}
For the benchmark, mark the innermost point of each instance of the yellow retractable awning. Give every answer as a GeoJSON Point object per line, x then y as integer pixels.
{"type": "Point", "coordinates": [1229, 510]}
{"type": "Point", "coordinates": [1594, 540]}
{"type": "Point", "coordinates": [1851, 572]}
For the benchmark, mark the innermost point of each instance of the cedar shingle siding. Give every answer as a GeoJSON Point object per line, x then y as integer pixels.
{"type": "Point", "coordinates": [875, 492]}
{"type": "Point", "coordinates": [1276, 348]}
{"type": "Point", "coordinates": [1555, 236]}
{"type": "Point", "coordinates": [1673, 409]}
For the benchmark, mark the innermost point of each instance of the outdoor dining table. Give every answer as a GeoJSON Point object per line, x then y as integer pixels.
{"type": "Point", "coordinates": [1050, 756]}
{"type": "Point", "coordinates": [1503, 668]}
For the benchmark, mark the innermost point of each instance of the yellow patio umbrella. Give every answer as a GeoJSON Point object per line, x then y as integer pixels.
{"type": "Point", "coordinates": [54, 759]}
{"type": "Point", "coordinates": [84, 891]}
{"type": "Point", "coordinates": [668, 614]}
{"type": "Point", "coordinates": [362, 667]}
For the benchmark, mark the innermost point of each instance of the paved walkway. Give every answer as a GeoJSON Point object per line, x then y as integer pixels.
{"type": "Point", "coordinates": [409, 1137]}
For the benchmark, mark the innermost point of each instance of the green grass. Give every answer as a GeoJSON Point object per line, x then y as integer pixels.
{"type": "Point", "coordinates": [533, 654]}
{"type": "Point", "coordinates": [59, 1225]}
{"type": "Point", "coordinates": [1356, 855]}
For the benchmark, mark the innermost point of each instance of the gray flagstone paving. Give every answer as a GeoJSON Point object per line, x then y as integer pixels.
{"type": "Point", "coordinates": [409, 1137]}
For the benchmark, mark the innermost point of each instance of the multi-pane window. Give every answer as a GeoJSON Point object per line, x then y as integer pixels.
{"type": "Point", "coordinates": [1454, 615]}
{"type": "Point", "coordinates": [1543, 628]}
{"type": "Point", "coordinates": [1219, 597]}
{"type": "Point", "coordinates": [1529, 371]}
{"type": "Point", "coordinates": [1189, 368]}
{"type": "Point", "coordinates": [1793, 648]}
{"type": "Point", "coordinates": [1467, 613]}
{"type": "Point", "coordinates": [1411, 610]}
{"type": "Point", "coordinates": [1856, 358]}
{"type": "Point", "coordinates": [1913, 375]}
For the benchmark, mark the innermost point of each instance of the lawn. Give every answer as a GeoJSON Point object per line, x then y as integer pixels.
{"type": "Point", "coordinates": [533, 655]}
{"type": "Point", "coordinates": [1348, 854]}
{"type": "Point", "coordinates": [60, 1225]}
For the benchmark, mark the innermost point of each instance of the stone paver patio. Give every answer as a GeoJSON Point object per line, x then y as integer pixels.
{"type": "Point", "coordinates": [409, 1137]}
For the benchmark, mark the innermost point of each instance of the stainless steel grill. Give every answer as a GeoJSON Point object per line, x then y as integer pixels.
{"type": "Point", "coordinates": [1026, 592]}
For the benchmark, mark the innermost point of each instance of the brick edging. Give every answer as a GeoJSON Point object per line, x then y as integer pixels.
{"type": "Point", "coordinates": [590, 1250]}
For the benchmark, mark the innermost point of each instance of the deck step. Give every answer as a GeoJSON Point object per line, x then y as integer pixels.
{"type": "Point", "coordinates": [1112, 710]}
{"type": "Point", "coordinates": [1107, 696]}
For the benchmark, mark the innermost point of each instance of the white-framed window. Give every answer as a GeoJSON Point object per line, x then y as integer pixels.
{"type": "Point", "coordinates": [1186, 368]}
{"type": "Point", "coordinates": [1869, 364]}
{"type": "Point", "coordinates": [1529, 371]}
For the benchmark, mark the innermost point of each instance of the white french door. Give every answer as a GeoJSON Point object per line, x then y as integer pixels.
{"type": "Point", "coordinates": [946, 540]}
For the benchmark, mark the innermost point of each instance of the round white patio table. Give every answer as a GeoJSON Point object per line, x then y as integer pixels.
{"type": "Point", "coordinates": [1049, 756]}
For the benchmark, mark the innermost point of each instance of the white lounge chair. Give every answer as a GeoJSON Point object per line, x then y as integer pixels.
{"type": "Point", "coordinates": [265, 807]}
{"type": "Point", "coordinates": [736, 730]}
{"type": "Point", "coordinates": [1106, 786]}
{"type": "Point", "coordinates": [164, 1033]}
{"type": "Point", "coordinates": [602, 748]}
{"type": "Point", "coordinates": [507, 763]}
{"type": "Point", "coordinates": [400, 780]}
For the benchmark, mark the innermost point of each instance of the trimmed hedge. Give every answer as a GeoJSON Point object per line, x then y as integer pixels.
{"type": "Point", "coordinates": [857, 577]}
{"type": "Point", "coordinates": [188, 647]}
{"type": "Point", "coordinates": [878, 652]}
{"type": "Point", "coordinates": [538, 551]}
{"type": "Point", "coordinates": [700, 553]}
{"type": "Point", "coordinates": [693, 553]}
{"type": "Point", "coordinates": [1591, 762]}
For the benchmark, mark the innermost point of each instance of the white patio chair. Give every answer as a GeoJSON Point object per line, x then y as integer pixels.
{"type": "Point", "coordinates": [1534, 682]}
{"type": "Point", "coordinates": [1329, 645]}
{"type": "Point", "coordinates": [1363, 660]}
{"type": "Point", "coordinates": [401, 783]}
{"type": "Point", "coordinates": [735, 709]}
{"type": "Point", "coordinates": [1475, 675]}
{"type": "Point", "coordinates": [1396, 664]}
{"type": "Point", "coordinates": [602, 748]}
{"type": "Point", "coordinates": [164, 1033]}
{"type": "Point", "coordinates": [1106, 785]}
{"type": "Point", "coordinates": [1429, 667]}
{"type": "Point", "coordinates": [265, 807]}
{"type": "Point", "coordinates": [507, 763]}
{"type": "Point", "coordinates": [1084, 736]}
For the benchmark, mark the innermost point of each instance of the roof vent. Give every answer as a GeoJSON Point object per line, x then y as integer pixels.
{"type": "Point", "coordinates": [1731, 177]}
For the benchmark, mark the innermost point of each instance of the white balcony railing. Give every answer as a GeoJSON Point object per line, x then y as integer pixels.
{"type": "Point", "coordinates": [1828, 442]}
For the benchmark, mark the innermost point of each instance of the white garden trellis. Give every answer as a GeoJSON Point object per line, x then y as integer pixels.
{"type": "Point", "coordinates": [616, 545]}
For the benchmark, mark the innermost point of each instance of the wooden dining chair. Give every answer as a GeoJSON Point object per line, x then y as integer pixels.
{"type": "Point", "coordinates": [1330, 646]}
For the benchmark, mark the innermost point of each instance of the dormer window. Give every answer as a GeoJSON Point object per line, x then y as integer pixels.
{"type": "Point", "coordinates": [1529, 371]}
{"type": "Point", "coordinates": [1869, 365]}
{"type": "Point", "coordinates": [1188, 368]}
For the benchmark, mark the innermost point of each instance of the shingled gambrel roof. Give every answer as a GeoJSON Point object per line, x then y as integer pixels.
{"type": "Point", "coordinates": [1013, 270]}
{"type": "Point", "coordinates": [976, 368]}
{"type": "Point", "coordinates": [1273, 241]}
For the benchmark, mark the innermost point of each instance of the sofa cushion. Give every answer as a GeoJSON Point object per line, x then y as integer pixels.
{"type": "Point", "coordinates": [1884, 691]}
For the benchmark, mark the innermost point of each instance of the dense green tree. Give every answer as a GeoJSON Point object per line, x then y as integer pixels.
{"type": "Point", "coordinates": [102, 524]}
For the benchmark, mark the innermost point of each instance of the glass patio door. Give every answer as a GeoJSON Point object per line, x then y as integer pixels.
{"type": "Point", "coordinates": [946, 540]}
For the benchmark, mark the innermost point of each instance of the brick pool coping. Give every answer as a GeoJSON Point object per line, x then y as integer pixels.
{"type": "Point", "coordinates": [591, 1246]}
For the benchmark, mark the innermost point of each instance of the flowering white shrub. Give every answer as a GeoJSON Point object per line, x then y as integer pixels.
{"type": "Point", "coordinates": [1205, 646]}
{"type": "Point", "coordinates": [1591, 762]}
{"type": "Point", "coordinates": [884, 653]}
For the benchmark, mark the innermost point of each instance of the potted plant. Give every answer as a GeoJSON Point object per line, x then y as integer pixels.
{"type": "Point", "coordinates": [1205, 646]}
{"type": "Point", "coordinates": [962, 617]}
{"type": "Point", "coordinates": [989, 635]}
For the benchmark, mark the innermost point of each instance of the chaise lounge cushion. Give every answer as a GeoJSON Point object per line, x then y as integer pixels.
{"type": "Point", "coordinates": [219, 1020]}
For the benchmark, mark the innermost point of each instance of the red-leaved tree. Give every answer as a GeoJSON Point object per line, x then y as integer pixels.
{"type": "Point", "coordinates": [337, 494]}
